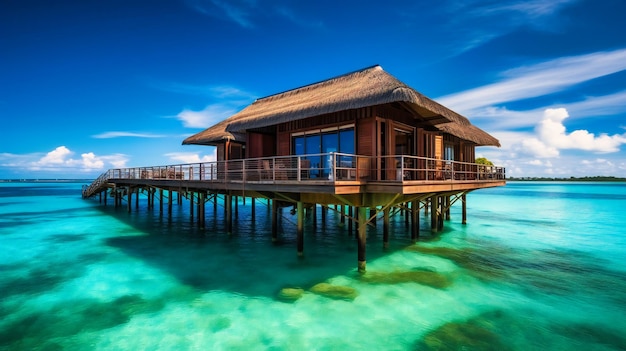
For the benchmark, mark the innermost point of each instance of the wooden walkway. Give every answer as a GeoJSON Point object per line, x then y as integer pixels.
{"type": "Point", "coordinates": [362, 187]}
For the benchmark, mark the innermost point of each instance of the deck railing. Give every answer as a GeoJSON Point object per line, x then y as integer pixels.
{"type": "Point", "coordinates": [325, 168]}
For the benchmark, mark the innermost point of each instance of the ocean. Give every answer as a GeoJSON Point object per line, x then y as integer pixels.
{"type": "Point", "coordinates": [538, 266]}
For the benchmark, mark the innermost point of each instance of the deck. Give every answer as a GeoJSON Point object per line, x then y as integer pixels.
{"type": "Point", "coordinates": [351, 183]}
{"type": "Point", "coordinates": [365, 180]}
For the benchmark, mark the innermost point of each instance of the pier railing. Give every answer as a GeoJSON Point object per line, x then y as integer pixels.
{"type": "Point", "coordinates": [321, 168]}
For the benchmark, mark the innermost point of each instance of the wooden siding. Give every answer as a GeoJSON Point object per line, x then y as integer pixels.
{"type": "Point", "coordinates": [327, 120]}
{"type": "Point", "coordinates": [260, 145]}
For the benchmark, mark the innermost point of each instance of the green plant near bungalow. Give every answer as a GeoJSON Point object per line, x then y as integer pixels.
{"type": "Point", "coordinates": [484, 161]}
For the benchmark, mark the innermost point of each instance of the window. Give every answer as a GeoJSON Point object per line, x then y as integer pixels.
{"type": "Point", "coordinates": [317, 142]}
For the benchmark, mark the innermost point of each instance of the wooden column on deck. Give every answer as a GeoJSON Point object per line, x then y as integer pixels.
{"type": "Point", "coordinates": [362, 239]}
{"type": "Point", "coordinates": [300, 228]}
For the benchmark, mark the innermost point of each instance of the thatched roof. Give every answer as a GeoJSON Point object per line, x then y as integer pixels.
{"type": "Point", "coordinates": [215, 135]}
{"type": "Point", "coordinates": [471, 133]}
{"type": "Point", "coordinates": [365, 88]}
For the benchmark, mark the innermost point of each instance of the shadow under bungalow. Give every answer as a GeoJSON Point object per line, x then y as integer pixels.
{"type": "Point", "coordinates": [363, 142]}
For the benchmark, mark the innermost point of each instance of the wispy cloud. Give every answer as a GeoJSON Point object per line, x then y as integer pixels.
{"type": "Point", "coordinates": [487, 20]}
{"type": "Point", "coordinates": [191, 157]}
{"type": "Point", "coordinates": [62, 159]}
{"type": "Point", "coordinates": [228, 100]}
{"type": "Point", "coordinates": [120, 134]}
{"type": "Point", "coordinates": [211, 115]}
{"type": "Point", "coordinates": [239, 11]}
{"type": "Point", "coordinates": [540, 79]}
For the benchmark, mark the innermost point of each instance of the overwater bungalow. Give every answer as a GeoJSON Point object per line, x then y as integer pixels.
{"type": "Point", "coordinates": [363, 142]}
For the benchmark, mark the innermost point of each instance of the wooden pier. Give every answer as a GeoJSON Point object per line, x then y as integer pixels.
{"type": "Point", "coordinates": [357, 194]}
{"type": "Point", "coordinates": [364, 143]}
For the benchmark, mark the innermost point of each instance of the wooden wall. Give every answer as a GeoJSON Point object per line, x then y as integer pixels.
{"type": "Point", "coordinates": [260, 145]}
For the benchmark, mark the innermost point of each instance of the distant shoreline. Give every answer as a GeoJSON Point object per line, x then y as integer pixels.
{"type": "Point", "coordinates": [46, 180]}
{"type": "Point", "coordinates": [570, 179]}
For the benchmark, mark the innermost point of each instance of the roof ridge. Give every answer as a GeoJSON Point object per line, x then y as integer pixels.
{"type": "Point", "coordinates": [376, 66]}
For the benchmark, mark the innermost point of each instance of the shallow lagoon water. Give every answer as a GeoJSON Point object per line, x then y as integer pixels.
{"type": "Point", "coordinates": [538, 266]}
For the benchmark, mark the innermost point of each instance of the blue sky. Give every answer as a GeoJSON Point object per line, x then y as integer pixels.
{"type": "Point", "coordinates": [90, 85]}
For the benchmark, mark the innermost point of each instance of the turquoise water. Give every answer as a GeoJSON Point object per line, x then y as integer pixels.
{"type": "Point", "coordinates": [539, 266]}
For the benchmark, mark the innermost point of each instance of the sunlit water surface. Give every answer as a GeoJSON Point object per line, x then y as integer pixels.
{"type": "Point", "coordinates": [539, 266]}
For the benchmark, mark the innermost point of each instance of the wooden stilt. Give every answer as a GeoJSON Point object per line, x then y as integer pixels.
{"type": "Point", "coordinates": [447, 205]}
{"type": "Point", "coordinates": [386, 227]}
{"type": "Point", "coordinates": [406, 214]}
{"type": "Point", "coordinates": [229, 213]}
{"type": "Point", "coordinates": [100, 197]}
{"type": "Point", "coordinates": [160, 201]}
{"type": "Point", "coordinates": [314, 216]}
{"type": "Point", "coordinates": [300, 228]}
{"type": "Point", "coordinates": [373, 215]}
{"type": "Point", "coordinates": [190, 194]}
{"type": "Point", "coordinates": [433, 213]}
{"type": "Point", "coordinates": [362, 239]}
{"type": "Point", "coordinates": [253, 208]}
{"type": "Point", "coordinates": [106, 195]}
{"type": "Point", "coordinates": [464, 209]}
{"type": "Point", "coordinates": [440, 214]}
{"type": "Point", "coordinates": [137, 198]}
{"type": "Point", "coordinates": [169, 203]}
{"type": "Point", "coordinates": [415, 220]}
{"type": "Point", "coordinates": [236, 198]}
{"type": "Point", "coordinates": [351, 220]}
{"type": "Point", "coordinates": [274, 220]}
{"type": "Point", "coordinates": [343, 216]}
{"type": "Point", "coordinates": [129, 202]}
{"type": "Point", "coordinates": [324, 210]}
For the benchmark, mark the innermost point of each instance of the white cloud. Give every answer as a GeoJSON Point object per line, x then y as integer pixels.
{"type": "Point", "coordinates": [540, 79]}
{"type": "Point", "coordinates": [211, 115]}
{"type": "Point", "coordinates": [57, 156]}
{"type": "Point", "coordinates": [551, 136]}
{"type": "Point", "coordinates": [190, 157]}
{"type": "Point", "coordinates": [61, 160]}
{"type": "Point", "coordinates": [119, 134]}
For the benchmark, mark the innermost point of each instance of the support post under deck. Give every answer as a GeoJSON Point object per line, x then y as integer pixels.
{"type": "Point", "coordinates": [415, 220]}
{"type": "Point", "coordinates": [386, 227]}
{"type": "Point", "coordinates": [362, 239]}
{"type": "Point", "coordinates": [464, 209]}
{"type": "Point", "coordinates": [300, 228]}
{"type": "Point", "coordinates": [274, 220]}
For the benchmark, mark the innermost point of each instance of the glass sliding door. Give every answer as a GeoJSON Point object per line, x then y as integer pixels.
{"type": "Point", "coordinates": [328, 141]}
